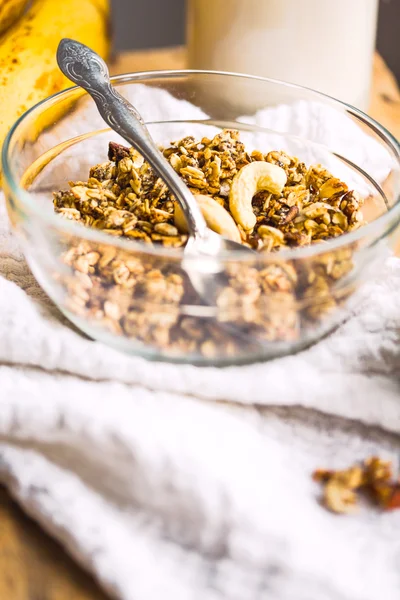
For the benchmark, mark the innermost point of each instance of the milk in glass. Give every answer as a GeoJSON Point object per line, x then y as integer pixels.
{"type": "Point", "coordinates": [327, 45]}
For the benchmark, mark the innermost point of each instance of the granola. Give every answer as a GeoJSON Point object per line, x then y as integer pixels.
{"type": "Point", "coordinates": [374, 477]}
{"type": "Point", "coordinates": [144, 297]}
{"type": "Point", "coordinates": [125, 197]}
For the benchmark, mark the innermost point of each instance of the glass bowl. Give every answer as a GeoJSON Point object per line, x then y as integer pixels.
{"type": "Point", "coordinates": [137, 297]}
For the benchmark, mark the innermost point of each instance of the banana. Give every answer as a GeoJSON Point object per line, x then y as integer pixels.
{"type": "Point", "coordinates": [103, 5]}
{"type": "Point", "coordinates": [10, 11]}
{"type": "Point", "coordinates": [28, 52]}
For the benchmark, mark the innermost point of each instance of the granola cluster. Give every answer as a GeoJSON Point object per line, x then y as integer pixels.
{"type": "Point", "coordinates": [126, 198]}
{"type": "Point", "coordinates": [374, 477]}
{"type": "Point", "coordinates": [148, 298]}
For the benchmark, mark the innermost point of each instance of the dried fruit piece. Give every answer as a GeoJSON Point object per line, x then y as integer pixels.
{"type": "Point", "coordinates": [393, 502]}
{"type": "Point", "coordinates": [117, 152]}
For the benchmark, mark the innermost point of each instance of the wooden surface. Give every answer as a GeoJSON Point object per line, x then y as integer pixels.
{"type": "Point", "coordinates": [32, 566]}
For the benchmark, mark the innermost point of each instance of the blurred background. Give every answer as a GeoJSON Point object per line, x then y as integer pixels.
{"type": "Point", "coordinates": [142, 24]}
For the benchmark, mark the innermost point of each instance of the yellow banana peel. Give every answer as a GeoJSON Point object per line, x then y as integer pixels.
{"type": "Point", "coordinates": [103, 5]}
{"type": "Point", "coordinates": [10, 11]}
{"type": "Point", "coordinates": [28, 54]}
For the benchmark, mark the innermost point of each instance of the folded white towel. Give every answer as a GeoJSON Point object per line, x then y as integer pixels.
{"type": "Point", "coordinates": [195, 483]}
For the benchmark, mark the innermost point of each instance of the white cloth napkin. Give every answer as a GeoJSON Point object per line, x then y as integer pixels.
{"type": "Point", "coordinates": [180, 482]}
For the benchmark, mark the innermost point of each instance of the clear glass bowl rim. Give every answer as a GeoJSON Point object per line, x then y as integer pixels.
{"type": "Point", "coordinates": [68, 227]}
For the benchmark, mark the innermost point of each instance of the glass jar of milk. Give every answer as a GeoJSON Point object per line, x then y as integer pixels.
{"type": "Point", "coordinates": [327, 45]}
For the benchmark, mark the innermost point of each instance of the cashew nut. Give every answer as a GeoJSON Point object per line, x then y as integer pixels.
{"type": "Point", "coordinates": [252, 178]}
{"type": "Point", "coordinates": [217, 218]}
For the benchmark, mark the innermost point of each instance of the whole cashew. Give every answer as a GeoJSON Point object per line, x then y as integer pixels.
{"type": "Point", "coordinates": [252, 178]}
{"type": "Point", "coordinates": [217, 218]}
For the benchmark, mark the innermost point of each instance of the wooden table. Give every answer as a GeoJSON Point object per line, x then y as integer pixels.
{"type": "Point", "coordinates": [32, 566]}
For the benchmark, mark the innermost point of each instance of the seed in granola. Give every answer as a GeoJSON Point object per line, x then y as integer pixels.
{"type": "Point", "coordinates": [341, 220]}
{"type": "Point", "coordinates": [209, 349]}
{"type": "Point", "coordinates": [295, 238]}
{"type": "Point", "coordinates": [332, 187]}
{"type": "Point", "coordinates": [121, 273]}
{"type": "Point", "coordinates": [84, 262]}
{"type": "Point", "coordinates": [166, 229]}
{"type": "Point", "coordinates": [112, 311]}
{"type": "Point", "coordinates": [291, 214]}
{"type": "Point", "coordinates": [125, 165]}
{"type": "Point", "coordinates": [315, 210]}
{"type": "Point", "coordinates": [273, 232]}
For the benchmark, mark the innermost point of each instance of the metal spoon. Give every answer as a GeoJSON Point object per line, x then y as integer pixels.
{"type": "Point", "coordinates": [88, 70]}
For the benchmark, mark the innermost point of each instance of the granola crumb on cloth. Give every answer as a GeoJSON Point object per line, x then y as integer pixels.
{"type": "Point", "coordinates": [374, 477]}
